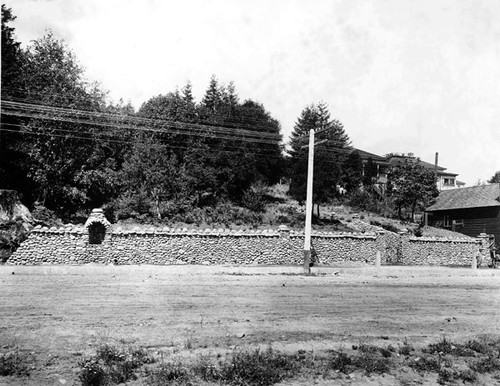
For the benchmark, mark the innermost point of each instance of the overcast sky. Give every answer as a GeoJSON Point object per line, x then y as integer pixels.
{"type": "Point", "coordinates": [402, 75]}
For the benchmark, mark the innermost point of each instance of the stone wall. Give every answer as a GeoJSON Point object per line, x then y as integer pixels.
{"type": "Point", "coordinates": [70, 245]}
{"type": "Point", "coordinates": [441, 251]}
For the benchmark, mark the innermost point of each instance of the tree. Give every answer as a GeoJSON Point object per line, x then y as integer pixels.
{"type": "Point", "coordinates": [268, 159]}
{"type": "Point", "coordinates": [411, 185]}
{"type": "Point", "coordinates": [60, 149]}
{"type": "Point", "coordinates": [152, 171]}
{"type": "Point", "coordinates": [12, 57]}
{"type": "Point", "coordinates": [329, 158]}
{"type": "Point", "coordinates": [495, 178]}
{"type": "Point", "coordinates": [13, 173]}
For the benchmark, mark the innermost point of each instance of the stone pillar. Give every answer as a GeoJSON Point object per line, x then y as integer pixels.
{"type": "Point", "coordinates": [483, 249]}
{"type": "Point", "coordinates": [284, 232]}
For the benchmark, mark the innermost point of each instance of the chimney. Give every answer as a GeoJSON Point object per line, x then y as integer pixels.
{"type": "Point", "coordinates": [436, 162]}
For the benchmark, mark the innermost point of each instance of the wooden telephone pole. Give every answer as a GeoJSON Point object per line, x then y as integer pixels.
{"type": "Point", "coordinates": [309, 194]}
{"type": "Point", "coordinates": [309, 198]}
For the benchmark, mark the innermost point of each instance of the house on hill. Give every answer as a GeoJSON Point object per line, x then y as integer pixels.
{"type": "Point", "coordinates": [471, 211]}
{"type": "Point", "coordinates": [445, 179]}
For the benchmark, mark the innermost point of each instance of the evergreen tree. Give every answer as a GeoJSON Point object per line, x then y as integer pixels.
{"type": "Point", "coordinates": [495, 178]}
{"type": "Point", "coordinates": [329, 157]}
{"type": "Point", "coordinates": [13, 160]}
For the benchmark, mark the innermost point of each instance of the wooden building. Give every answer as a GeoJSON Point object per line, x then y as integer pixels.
{"type": "Point", "coordinates": [471, 211]}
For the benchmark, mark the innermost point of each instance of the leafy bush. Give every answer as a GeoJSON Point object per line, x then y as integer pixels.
{"type": "Point", "coordinates": [387, 226]}
{"type": "Point", "coordinates": [92, 373]}
{"type": "Point", "coordinates": [12, 234]}
{"type": "Point", "coordinates": [44, 216]}
{"type": "Point", "coordinates": [254, 198]}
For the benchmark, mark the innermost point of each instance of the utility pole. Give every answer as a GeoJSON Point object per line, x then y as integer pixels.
{"type": "Point", "coordinates": [309, 198]}
{"type": "Point", "coordinates": [309, 193]}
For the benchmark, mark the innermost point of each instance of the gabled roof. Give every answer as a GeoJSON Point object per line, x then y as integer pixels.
{"type": "Point", "coordinates": [365, 156]}
{"type": "Point", "coordinates": [472, 197]}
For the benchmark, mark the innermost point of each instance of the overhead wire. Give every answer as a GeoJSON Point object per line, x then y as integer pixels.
{"type": "Point", "coordinates": [252, 120]}
{"type": "Point", "coordinates": [249, 121]}
{"type": "Point", "coordinates": [86, 117]}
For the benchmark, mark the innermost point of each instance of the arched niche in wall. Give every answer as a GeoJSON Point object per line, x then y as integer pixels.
{"type": "Point", "coordinates": [97, 226]}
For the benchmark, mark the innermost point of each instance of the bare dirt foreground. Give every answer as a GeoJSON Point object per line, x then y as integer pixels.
{"type": "Point", "coordinates": [61, 314]}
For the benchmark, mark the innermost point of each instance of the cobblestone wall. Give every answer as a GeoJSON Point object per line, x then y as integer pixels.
{"type": "Point", "coordinates": [182, 246]}
{"type": "Point", "coordinates": [439, 251]}
{"type": "Point", "coordinates": [70, 245]}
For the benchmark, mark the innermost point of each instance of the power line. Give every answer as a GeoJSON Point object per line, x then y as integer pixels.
{"type": "Point", "coordinates": [85, 117]}
{"type": "Point", "coordinates": [71, 135]}
{"type": "Point", "coordinates": [249, 123]}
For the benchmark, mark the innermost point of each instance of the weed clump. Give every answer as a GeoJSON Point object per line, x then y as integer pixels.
{"type": "Point", "coordinates": [340, 361]}
{"type": "Point", "coordinates": [112, 365]}
{"type": "Point", "coordinates": [486, 364]}
{"type": "Point", "coordinates": [426, 363]}
{"type": "Point", "coordinates": [170, 374]}
{"type": "Point", "coordinates": [257, 367]}
{"type": "Point", "coordinates": [447, 375]}
{"type": "Point", "coordinates": [15, 363]}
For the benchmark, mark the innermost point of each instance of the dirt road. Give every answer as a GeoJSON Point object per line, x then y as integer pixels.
{"type": "Point", "coordinates": [61, 313]}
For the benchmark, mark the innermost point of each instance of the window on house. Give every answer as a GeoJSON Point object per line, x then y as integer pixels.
{"type": "Point", "coordinates": [97, 232]}
{"type": "Point", "coordinates": [449, 181]}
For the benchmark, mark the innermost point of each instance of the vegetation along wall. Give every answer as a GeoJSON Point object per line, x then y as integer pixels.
{"type": "Point", "coordinates": [74, 245]}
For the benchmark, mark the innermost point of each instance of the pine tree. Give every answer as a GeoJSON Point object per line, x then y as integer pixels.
{"type": "Point", "coordinates": [329, 157]}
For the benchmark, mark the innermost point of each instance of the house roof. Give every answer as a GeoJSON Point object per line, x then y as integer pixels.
{"type": "Point", "coordinates": [472, 197]}
{"type": "Point", "coordinates": [364, 155]}
{"type": "Point", "coordinates": [395, 158]}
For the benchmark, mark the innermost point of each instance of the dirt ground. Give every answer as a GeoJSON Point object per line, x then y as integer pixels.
{"type": "Point", "coordinates": [61, 314]}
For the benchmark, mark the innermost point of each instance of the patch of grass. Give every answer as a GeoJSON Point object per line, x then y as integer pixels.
{"type": "Point", "coordinates": [427, 363]}
{"type": "Point", "coordinates": [340, 361]}
{"type": "Point", "coordinates": [369, 359]}
{"type": "Point", "coordinates": [371, 362]}
{"type": "Point", "coordinates": [444, 346]}
{"type": "Point", "coordinates": [448, 375]}
{"type": "Point", "coordinates": [406, 349]}
{"type": "Point", "coordinates": [486, 364]}
{"type": "Point", "coordinates": [15, 363]}
{"type": "Point", "coordinates": [112, 365]}
{"type": "Point", "coordinates": [257, 367]}
{"type": "Point", "coordinates": [170, 374]}
{"type": "Point", "coordinates": [242, 367]}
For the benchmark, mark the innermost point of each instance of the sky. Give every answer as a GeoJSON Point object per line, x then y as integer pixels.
{"type": "Point", "coordinates": [401, 75]}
